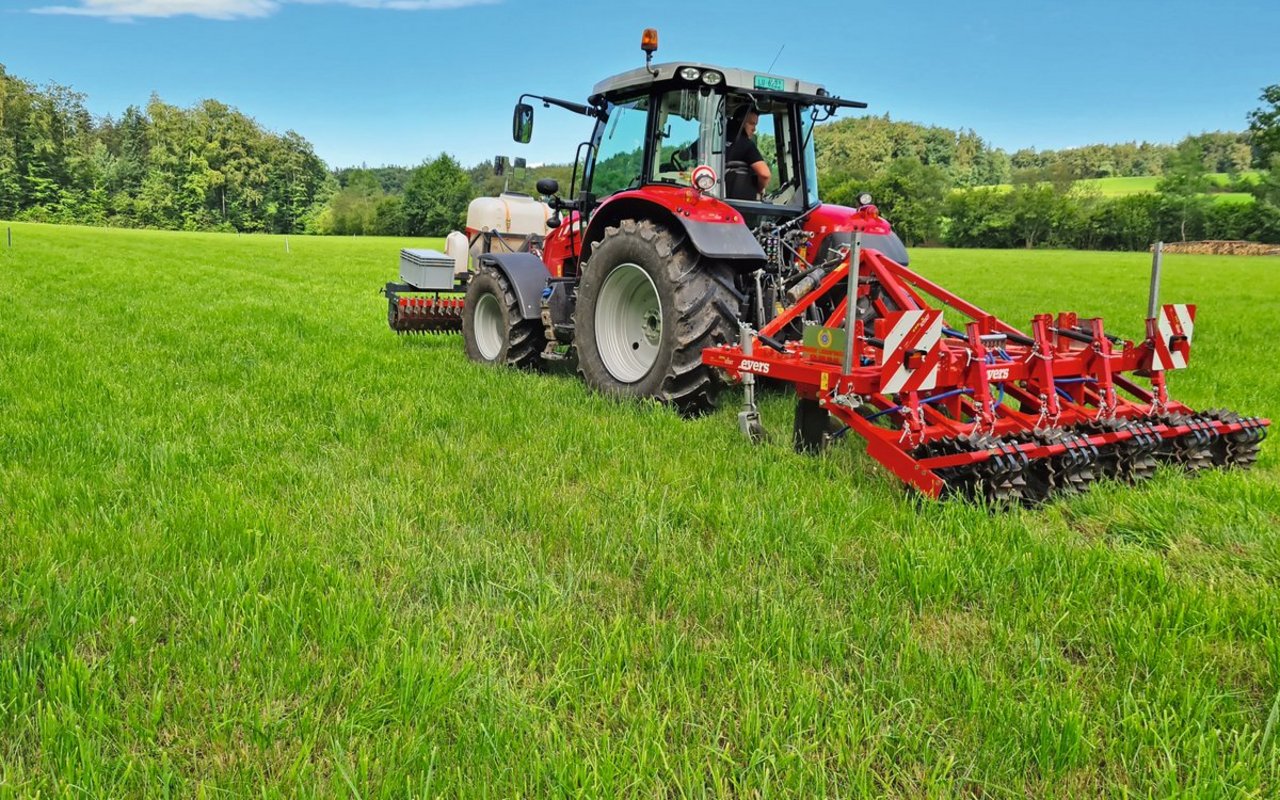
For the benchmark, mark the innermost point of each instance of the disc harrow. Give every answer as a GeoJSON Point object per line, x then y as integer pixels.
{"type": "Point", "coordinates": [958, 403]}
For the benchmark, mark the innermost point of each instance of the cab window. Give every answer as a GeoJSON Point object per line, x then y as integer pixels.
{"type": "Point", "coordinates": [619, 161]}
{"type": "Point", "coordinates": [683, 135]}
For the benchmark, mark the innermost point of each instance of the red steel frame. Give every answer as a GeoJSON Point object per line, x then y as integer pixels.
{"type": "Point", "coordinates": [1067, 372]}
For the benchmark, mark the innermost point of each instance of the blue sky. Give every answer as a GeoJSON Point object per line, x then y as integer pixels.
{"type": "Point", "coordinates": [398, 81]}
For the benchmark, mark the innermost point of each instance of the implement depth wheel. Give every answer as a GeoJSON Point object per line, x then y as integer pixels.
{"type": "Point", "coordinates": [646, 310]}
{"type": "Point", "coordinates": [493, 330]}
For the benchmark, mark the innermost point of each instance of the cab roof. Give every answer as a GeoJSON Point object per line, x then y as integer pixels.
{"type": "Point", "coordinates": [734, 78]}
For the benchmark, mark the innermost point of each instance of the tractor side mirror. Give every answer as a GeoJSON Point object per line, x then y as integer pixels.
{"type": "Point", "coordinates": [522, 123]}
{"type": "Point", "coordinates": [548, 186]}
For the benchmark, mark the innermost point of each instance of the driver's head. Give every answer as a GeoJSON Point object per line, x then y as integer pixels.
{"type": "Point", "coordinates": [744, 122]}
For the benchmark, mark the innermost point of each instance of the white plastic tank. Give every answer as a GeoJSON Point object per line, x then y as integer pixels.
{"type": "Point", "coordinates": [455, 247]}
{"type": "Point", "coordinates": [511, 217]}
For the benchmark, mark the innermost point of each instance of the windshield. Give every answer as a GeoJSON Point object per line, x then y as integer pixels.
{"type": "Point", "coordinates": [760, 146]}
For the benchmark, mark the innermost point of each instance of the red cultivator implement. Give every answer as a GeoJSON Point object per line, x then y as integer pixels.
{"type": "Point", "coordinates": [980, 408]}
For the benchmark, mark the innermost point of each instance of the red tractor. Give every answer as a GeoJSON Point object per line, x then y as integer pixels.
{"type": "Point", "coordinates": [677, 266]}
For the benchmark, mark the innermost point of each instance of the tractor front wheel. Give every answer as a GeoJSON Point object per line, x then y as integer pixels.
{"type": "Point", "coordinates": [646, 309]}
{"type": "Point", "coordinates": [493, 329]}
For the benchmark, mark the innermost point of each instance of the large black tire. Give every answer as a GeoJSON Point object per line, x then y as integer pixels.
{"type": "Point", "coordinates": [493, 330]}
{"type": "Point", "coordinates": [660, 356]}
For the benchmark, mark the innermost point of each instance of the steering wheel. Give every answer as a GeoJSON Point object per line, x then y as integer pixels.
{"type": "Point", "coordinates": [777, 193]}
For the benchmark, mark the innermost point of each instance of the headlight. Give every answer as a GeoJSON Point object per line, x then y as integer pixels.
{"type": "Point", "coordinates": [712, 78]}
{"type": "Point", "coordinates": [864, 199]}
{"type": "Point", "coordinates": [704, 177]}
{"type": "Point", "coordinates": [690, 73]}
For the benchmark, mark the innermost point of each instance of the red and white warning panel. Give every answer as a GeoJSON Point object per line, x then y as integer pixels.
{"type": "Point", "coordinates": [912, 350]}
{"type": "Point", "coordinates": [1172, 342]}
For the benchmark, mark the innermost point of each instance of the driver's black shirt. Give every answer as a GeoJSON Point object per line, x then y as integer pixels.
{"type": "Point", "coordinates": [743, 149]}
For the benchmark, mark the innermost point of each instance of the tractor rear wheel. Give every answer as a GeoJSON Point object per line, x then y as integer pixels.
{"type": "Point", "coordinates": [646, 309]}
{"type": "Point", "coordinates": [493, 329]}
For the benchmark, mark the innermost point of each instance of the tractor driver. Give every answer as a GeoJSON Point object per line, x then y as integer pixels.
{"type": "Point", "coordinates": [742, 149]}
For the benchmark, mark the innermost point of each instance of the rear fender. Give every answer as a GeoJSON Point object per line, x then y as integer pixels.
{"type": "Point", "coordinates": [527, 275]}
{"type": "Point", "coordinates": [713, 228]}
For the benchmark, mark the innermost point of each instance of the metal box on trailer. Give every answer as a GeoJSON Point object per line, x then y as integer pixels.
{"type": "Point", "coordinates": [426, 270]}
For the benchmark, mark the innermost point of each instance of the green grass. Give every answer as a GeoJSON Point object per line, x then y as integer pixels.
{"type": "Point", "coordinates": [1122, 187]}
{"type": "Point", "coordinates": [253, 544]}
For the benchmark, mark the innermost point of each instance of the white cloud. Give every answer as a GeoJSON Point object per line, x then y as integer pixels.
{"type": "Point", "coordinates": [232, 9]}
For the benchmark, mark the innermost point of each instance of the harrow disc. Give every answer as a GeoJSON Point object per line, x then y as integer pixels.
{"type": "Point", "coordinates": [1130, 460]}
{"type": "Point", "coordinates": [1192, 451]}
{"type": "Point", "coordinates": [1000, 480]}
{"type": "Point", "coordinates": [1070, 472]}
{"type": "Point", "coordinates": [1239, 449]}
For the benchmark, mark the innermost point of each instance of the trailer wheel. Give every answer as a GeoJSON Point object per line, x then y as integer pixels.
{"type": "Point", "coordinates": [493, 330]}
{"type": "Point", "coordinates": [646, 309]}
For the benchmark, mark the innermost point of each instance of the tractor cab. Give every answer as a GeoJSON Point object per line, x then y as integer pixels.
{"type": "Point", "coordinates": [656, 125]}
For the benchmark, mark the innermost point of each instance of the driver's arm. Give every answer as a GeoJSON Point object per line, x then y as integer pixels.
{"type": "Point", "coordinates": [763, 174]}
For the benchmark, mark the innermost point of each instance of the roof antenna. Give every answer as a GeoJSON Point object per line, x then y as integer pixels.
{"type": "Point", "coordinates": [775, 58]}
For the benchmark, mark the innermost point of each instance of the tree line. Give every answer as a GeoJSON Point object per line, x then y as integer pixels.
{"type": "Point", "coordinates": [204, 168]}
{"type": "Point", "coordinates": [942, 187]}
{"type": "Point", "coordinates": [210, 167]}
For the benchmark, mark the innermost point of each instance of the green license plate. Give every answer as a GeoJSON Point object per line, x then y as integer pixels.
{"type": "Point", "coordinates": [770, 83]}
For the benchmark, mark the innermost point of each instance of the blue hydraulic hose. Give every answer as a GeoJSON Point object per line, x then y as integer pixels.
{"type": "Point", "coordinates": [933, 399]}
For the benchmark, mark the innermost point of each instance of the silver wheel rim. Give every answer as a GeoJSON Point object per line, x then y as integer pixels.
{"type": "Point", "coordinates": [490, 330]}
{"type": "Point", "coordinates": [628, 323]}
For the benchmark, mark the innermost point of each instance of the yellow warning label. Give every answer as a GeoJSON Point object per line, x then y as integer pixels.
{"type": "Point", "coordinates": [823, 383]}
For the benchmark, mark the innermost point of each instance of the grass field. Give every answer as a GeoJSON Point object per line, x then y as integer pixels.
{"type": "Point", "coordinates": [253, 544]}
{"type": "Point", "coordinates": [1121, 187]}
